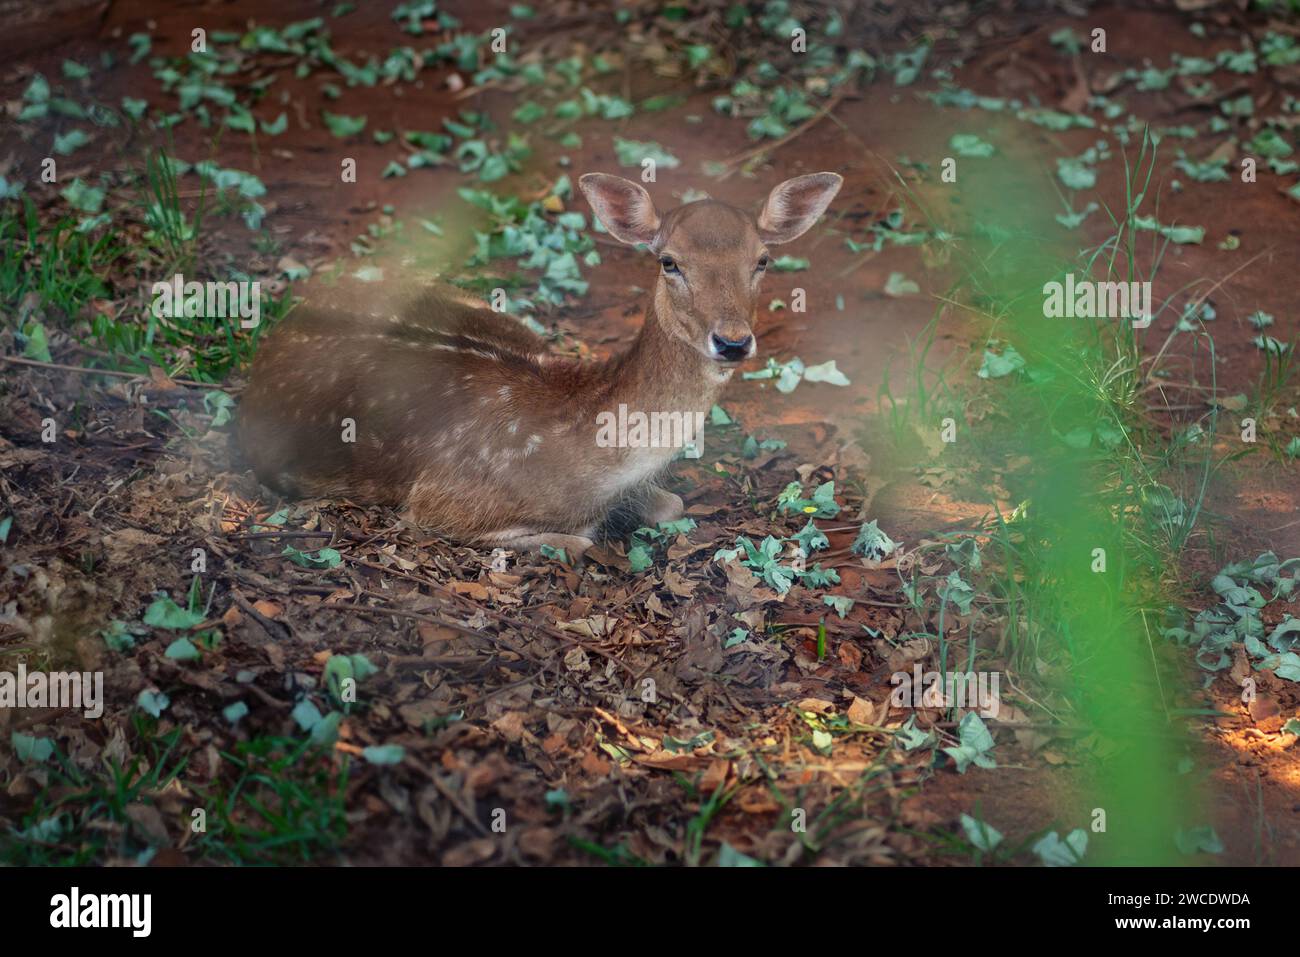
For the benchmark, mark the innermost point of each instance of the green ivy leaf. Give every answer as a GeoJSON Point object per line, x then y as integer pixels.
{"type": "Point", "coordinates": [1054, 852]}
{"type": "Point", "coordinates": [634, 152]}
{"type": "Point", "coordinates": [842, 604]}
{"type": "Point", "coordinates": [152, 702]}
{"type": "Point", "coordinates": [872, 543]}
{"type": "Point", "coordinates": [306, 714]}
{"type": "Point", "coordinates": [343, 126]}
{"type": "Point", "coordinates": [182, 649]}
{"type": "Point", "coordinates": [165, 613]}
{"type": "Point", "coordinates": [276, 126]}
{"type": "Point", "coordinates": [30, 749]}
{"type": "Point", "coordinates": [996, 366]}
{"type": "Point", "coordinates": [235, 711]}
{"type": "Point", "coordinates": [69, 142]}
{"type": "Point", "coordinates": [323, 558]}
{"type": "Point", "coordinates": [974, 743]}
{"type": "Point", "coordinates": [385, 754]}
{"type": "Point", "coordinates": [968, 144]}
{"type": "Point", "coordinates": [983, 836]}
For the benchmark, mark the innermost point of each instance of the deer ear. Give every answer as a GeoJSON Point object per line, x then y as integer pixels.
{"type": "Point", "coordinates": [793, 207]}
{"type": "Point", "coordinates": [624, 208]}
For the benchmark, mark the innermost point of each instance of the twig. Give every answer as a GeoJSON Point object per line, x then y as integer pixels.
{"type": "Point", "coordinates": [505, 619]}
{"type": "Point", "coordinates": [762, 148]}
{"type": "Point", "coordinates": [84, 370]}
{"type": "Point", "coordinates": [402, 613]}
{"type": "Point", "coordinates": [479, 699]}
{"type": "Point", "coordinates": [276, 629]}
{"type": "Point", "coordinates": [1057, 728]}
{"type": "Point", "coordinates": [288, 533]}
{"type": "Point", "coordinates": [455, 801]}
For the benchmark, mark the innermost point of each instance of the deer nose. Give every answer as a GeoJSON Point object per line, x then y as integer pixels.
{"type": "Point", "coordinates": [730, 350]}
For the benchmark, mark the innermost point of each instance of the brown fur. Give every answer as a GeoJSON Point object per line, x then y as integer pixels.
{"type": "Point", "coordinates": [463, 416]}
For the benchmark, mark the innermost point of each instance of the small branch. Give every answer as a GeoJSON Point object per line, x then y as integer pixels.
{"type": "Point", "coordinates": [1056, 729]}
{"type": "Point", "coordinates": [762, 148]}
{"type": "Point", "coordinates": [417, 616]}
{"type": "Point", "coordinates": [504, 619]}
{"type": "Point", "coordinates": [287, 533]}
{"type": "Point", "coordinates": [83, 370]}
{"type": "Point", "coordinates": [277, 630]}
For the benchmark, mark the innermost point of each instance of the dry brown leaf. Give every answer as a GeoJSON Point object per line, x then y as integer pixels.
{"type": "Point", "coordinates": [861, 712]}
{"type": "Point", "coordinates": [269, 608]}
{"type": "Point", "coordinates": [471, 589]}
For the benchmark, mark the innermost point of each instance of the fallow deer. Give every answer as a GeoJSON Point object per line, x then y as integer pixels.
{"type": "Point", "coordinates": [462, 415]}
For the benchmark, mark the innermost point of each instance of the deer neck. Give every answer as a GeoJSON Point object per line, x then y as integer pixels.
{"type": "Point", "coordinates": [663, 373]}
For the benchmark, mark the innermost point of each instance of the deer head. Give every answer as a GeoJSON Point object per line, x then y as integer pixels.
{"type": "Point", "coordinates": [712, 255]}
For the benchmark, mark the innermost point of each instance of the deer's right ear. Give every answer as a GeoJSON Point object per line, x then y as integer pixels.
{"type": "Point", "coordinates": [623, 207]}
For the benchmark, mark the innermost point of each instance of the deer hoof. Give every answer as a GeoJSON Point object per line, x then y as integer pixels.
{"type": "Point", "coordinates": [665, 507]}
{"type": "Point", "coordinates": [574, 546]}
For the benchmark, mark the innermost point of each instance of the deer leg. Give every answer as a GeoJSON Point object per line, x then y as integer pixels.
{"type": "Point", "coordinates": [662, 506]}
{"type": "Point", "coordinates": [523, 539]}
{"type": "Point", "coordinates": [645, 505]}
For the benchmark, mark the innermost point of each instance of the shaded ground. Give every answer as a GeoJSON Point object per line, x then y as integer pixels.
{"type": "Point", "coordinates": [523, 689]}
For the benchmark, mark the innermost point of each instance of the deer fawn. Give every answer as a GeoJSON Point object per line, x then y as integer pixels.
{"type": "Point", "coordinates": [462, 415]}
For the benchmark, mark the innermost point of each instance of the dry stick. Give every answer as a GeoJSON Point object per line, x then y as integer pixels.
{"type": "Point", "coordinates": [1195, 304]}
{"type": "Point", "coordinates": [1011, 682]}
{"type": "Point", "coordinates": [465, 629]}
{"type": "Point", "coordinates": [40, 717]}
{"type": "Point", "coordinates": [425, 663]}
{"type": "Point", "coordinates": [83, 370]}
{"type": "Point", "coordinates": [449, 624]}
{"type": "Point", "coordinates": [269, 625]}
{"type": "Point", "coordinates": [465, 705]}
{"type": "Point", "coordinates": [499, 616]}
{"type": "Point", "coordinates": [762, 148]}
{"type": "Point", "coordinates": [553, 633]}
{"type": "Point", "coordinates": [401, 613]}
{"type": "Point", "coordinates": [289, 533]}
{"type": "Point", "coordinates": [880, 604]}
{"type": "Point", "coordinates": [479, 699]}
{"type": "Point", "coordinates": [1059, 728]}
{"type": "Point", "coordinates": [455, 800]}
{"type": "Point", "coordinates": [1160, 685]}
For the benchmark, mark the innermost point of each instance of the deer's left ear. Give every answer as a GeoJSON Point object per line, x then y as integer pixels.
{"type": "Point", "coordinates": [793, 207]}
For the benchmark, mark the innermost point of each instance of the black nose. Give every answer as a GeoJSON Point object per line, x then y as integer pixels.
{"type": "Point", "coordinates": [731, 350]}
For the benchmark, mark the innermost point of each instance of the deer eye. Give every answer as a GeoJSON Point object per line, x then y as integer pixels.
{"type": "Point", "coordinates": [762, 264]}
{"type": "Point", "coordinates": [670, 265]}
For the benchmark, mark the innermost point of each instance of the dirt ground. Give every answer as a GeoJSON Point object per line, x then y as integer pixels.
{"type": "Point", "coordinates": [519, 690]}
